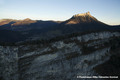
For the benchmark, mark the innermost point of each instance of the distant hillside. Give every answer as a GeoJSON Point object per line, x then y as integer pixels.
{"type": "Point", "coordinates": [38, 29]}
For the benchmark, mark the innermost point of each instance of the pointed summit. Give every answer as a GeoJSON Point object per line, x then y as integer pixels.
{"type": "Point", "coordinates": [83, 14]}
{"type": "Point", "coordinates": [81, 18]}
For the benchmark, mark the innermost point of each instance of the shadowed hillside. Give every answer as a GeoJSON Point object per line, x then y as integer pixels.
{"type": "Point", "coordinates": [38, 29]}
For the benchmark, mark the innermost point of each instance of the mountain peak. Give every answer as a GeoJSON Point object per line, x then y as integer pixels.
{"type": "Point", "coordinates": [82, 14]}
{"type": "Point", "coordinates": [81, 18]}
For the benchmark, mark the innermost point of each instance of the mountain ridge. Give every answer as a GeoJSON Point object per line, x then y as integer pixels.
{"type": "Point", "coordinates": [75, 19]}
{"type": "Point", "coordinates": [38, 29]}
{"type": "Point", "coordinates": [81, 18]}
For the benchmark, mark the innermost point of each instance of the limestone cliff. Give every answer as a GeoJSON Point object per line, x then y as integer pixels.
{"type": "Point", "coordinates": [59, 60]}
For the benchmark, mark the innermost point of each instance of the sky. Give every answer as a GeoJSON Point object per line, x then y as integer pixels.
{"type": "Point", "coordinates": [107, 11]}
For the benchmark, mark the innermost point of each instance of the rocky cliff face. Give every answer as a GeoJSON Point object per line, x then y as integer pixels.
{"type": "Point", "coordinates": [60, 60]}
{"type": "Point", "coordinates": [8, 63]}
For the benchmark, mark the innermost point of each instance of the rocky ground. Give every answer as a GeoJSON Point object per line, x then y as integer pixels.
{"type": "Point", "coordinates": [82, 55]}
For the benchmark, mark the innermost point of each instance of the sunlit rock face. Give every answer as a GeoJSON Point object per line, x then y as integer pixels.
{"type": "Point", "coordinates": [60, 60]}
{"type": "Point", "coordinates": [83, 14]}
{"type": "Point", "coordinates": [82, 18]}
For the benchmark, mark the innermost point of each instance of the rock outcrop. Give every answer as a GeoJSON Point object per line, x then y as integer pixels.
{"type": "Point", "coordinates": [9, 63]}
{"type": "Point", "coordinates": [61, 60]}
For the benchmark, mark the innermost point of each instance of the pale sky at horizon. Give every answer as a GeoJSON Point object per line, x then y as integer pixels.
{"type": "Point", "coordinates": [107, 11]}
